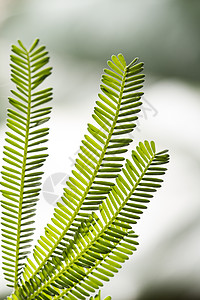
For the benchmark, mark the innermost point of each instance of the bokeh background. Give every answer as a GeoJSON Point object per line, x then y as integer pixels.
{"type": "Point", "coordinates": [80, 36]}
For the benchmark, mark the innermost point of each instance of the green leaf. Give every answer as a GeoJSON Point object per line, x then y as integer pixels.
{"type": "Point", "coordinates": [80, 248]}
{"type": "Point", "coordinates": [105, 240]}
{"type": "Point", "coordinates": [16, 156]}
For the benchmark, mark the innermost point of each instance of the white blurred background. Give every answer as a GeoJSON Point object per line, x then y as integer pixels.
{"type": "Point", "coordinates": [80, 36]}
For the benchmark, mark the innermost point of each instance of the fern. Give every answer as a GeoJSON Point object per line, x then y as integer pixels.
{"type": "Point", "coordinates": [23, 155]}
{"type": "Point", "coordinates": [99, 160]}
{"type": "Point", "coordinates": [91, 233]}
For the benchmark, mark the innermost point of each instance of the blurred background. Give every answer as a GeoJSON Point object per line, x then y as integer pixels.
{"type": "Point", "coordinates": [80, 36]}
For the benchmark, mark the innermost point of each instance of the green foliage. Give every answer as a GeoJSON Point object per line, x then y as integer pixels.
{"type": "Point", "coordinates": [24, 153]}
{"type": "Point", "coordinates": [91, 232]}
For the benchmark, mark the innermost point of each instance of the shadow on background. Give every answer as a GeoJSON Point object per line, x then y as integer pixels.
{"type": "Point", "coordinates": [184, 286]}
{"type": "Point", "coordinates": [169, 292]}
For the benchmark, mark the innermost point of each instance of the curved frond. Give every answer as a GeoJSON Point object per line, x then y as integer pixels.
{"type": "Point", "coordinates": [100, 158]}
{"type": "Point", "coordinates": [104, 241]}
{"type": "Point", "coordinates": [24, 154]}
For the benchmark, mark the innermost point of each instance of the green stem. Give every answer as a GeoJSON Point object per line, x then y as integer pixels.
{"type": "Point", "coordinates": [23, 176]}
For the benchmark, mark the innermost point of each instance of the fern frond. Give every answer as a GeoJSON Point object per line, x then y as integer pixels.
{"type": "Point", "coordinates": [99, 161]}
{"type": "Point", "coordinates": [24, 153]}
{"type": "Point", "coordinates": [118, 213]}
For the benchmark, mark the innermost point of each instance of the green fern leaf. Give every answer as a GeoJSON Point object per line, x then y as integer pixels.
{"type": "Point", "coordinates": [23, 155]}
{"type": "Point", "coordinates": [100, 158]}
{"type": "Point", "coordinates": [102, 235]}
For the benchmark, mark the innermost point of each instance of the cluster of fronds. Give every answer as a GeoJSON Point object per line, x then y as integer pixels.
{"type": "Point", "coordinates": [91, 232]}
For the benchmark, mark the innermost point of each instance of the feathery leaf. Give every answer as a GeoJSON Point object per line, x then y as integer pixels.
{"type": "Point", "coordinates": [21, 186]}
{"type": "Point", "coordinates": [104, 241]}
{"type": "Point", "coordinates": [100, 158]}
